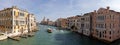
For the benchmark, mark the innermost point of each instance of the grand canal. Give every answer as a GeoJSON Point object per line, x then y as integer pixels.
{"type": "Point", "coordinates": [58, 37]}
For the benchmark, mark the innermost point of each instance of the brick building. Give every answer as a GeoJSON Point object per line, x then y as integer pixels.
{"type": "Point", "coordinates": [61, 22]}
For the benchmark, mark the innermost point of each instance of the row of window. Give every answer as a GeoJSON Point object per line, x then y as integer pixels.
{"type": "Point", "coordinates": [101, 25]}
{"type": "Point", "coordinates": [7, 27]}
{"type": "Point", "coordinates": [87, 32]}
{"type": "Point", "coordinates": [19, 13]}
{"type": "Point", "coordinates": [72, 20]}
{"type": "Point", "coordinates": [87, 26]}
{"type": "Point", "coordinates": [104, 17]}
{"type": "Point", "coordinates": [101, 18]}
{"type": "Point", "coordinates": [102, 34]}
{"type": "Point", "coordinates": [10, 13]}
{"type": "Point", "coordinates": [104, 26]}
{"type": "Point", "coordinates": [5, 19]}
{"type": "Point", "coordinates": [3, 14]}
{"type": "Point", "coordinates": [85, 19]}
{"type": "Point", "coordinates": [5, 22]}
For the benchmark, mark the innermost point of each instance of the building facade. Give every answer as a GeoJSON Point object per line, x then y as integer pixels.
{"type": "Point", "coordinates": [64, 23]}
{"type": "Point", "coordinates": [61, 22]}
{"type": "Point", "coordinates": [51, 23]}
{"type": "Point", "coordinates": [58, 22]}
{"type": "Point", "coordinates": [73, 23]}
{"type": "Point", "coordinates": [32, 23]}
{"type": "Point", "coordinates": [44, 21]}
{"type": "Point", "coordinates": [14, 20]}
{"type": "Point", "coordinates": [85, 23]}
{"type": "Point", "coordinates": [106, 24]}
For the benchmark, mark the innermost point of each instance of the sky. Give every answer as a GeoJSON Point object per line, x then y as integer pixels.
{"type": "Point", "coordinates": [54, 9]}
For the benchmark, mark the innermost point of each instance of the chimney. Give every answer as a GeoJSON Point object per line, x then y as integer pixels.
{"type": "Point", "coordinates": [95, 11]}
{"type": "Point", "coordinates": [14, 6]}
{"type": "Point", "coordinates": [108, 7]}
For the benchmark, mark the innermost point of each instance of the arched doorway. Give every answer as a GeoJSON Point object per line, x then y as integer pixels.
{"type": "Point", "coordinates": [74, 28]}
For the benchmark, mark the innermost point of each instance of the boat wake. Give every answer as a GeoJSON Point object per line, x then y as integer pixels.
{"type": "Point", "coordinates": [61, 31]}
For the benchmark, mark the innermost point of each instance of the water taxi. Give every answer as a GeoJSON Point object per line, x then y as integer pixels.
{"type": "Point", "coordinates": [49, 30]}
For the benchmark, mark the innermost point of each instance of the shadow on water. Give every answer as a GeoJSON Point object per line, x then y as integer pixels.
{"type": "Point", "coordinates": [116, 42]}
{"type": "Point", "coordinates": [76, 39]}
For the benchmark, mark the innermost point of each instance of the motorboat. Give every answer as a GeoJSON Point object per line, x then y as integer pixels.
{"type": "Point", "coordinates": [49, 30]}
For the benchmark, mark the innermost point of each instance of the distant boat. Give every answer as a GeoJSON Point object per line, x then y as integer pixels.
{"type": "Point", "coordinates": [49, 30]}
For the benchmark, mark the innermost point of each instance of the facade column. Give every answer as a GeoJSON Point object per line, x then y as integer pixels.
{"type": "Point", "coordinates": [13, 20]}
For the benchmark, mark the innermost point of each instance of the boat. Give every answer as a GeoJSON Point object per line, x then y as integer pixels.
{"type": "Point", "coordinates": [3, 37]}
{"type": "Point", "coordinates": [15, 38]}
{"type": "Point", "coordinates": [30, 34]}
{"type": "Point", "coordinates": [49, 30]}
{"type": "Point", "coordinates": [24, 36]}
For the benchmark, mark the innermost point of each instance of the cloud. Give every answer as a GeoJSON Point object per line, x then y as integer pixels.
{"type": "Point", "coordinates": [54, 9]}
{"type": "Point", "coordinates": [114, 4]}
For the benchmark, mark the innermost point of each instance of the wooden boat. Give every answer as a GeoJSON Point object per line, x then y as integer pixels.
{"type": "Point", "coordinates": [30, 34]}
{"type": "Point", "coordinates": [15, 38]}
{"type": "Point", "coordinates": [49, 30]}
{"type": "Point", "coordinates": [24, 36]}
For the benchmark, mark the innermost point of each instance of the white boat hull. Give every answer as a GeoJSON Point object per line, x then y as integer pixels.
{"type": "Point", "coordinates": [3, 37]}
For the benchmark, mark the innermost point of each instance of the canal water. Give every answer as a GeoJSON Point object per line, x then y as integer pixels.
{"type": "Point", "coordinates": [57, 37]}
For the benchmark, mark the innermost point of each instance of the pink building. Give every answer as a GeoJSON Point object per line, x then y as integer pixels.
{"type": "Point", "coordinates": [106, 24]}
{"type": "Point", "coordinates": [61, 22]}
